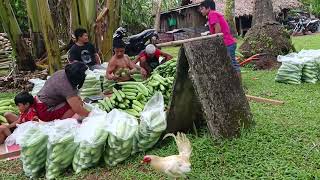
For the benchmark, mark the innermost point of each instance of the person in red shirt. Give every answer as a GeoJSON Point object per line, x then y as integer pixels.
{"type": "Point", "coordinates": [150, 57]}
{"type": "Point", "coordinates": [218, 24]}
{"type": "Point", "coordinates": [25, 104]}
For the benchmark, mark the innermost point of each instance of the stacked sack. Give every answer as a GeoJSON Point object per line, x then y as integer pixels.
{"type": "Point", "coordinates": [61, 146]}
{"type": "Point", "coordinates": [122, 128]}
{"type": "Point", "coordinates": [152, 124]}
{"type": "Point", "coordinates": [299, 67]}
{"type": "Point", "coordinates": [92, 138]}
{"type": "Point", "coordinates": [33, 143]}
{"type": "Point", "coordinates": [91, 85]}
{"type": "Point", "coordinates": [311, 69]}
{"type": "Point", "coordinates": [289, 73]}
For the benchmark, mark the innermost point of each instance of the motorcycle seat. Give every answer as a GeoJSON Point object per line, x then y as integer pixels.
{"type": "Point", "coordinates": [140, 35]}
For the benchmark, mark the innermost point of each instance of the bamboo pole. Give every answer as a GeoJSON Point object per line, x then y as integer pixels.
{"type": "Point", "coordinates": [229, 13]}
{"type": "Point", "coordinates": [33, 14]}
{"type": "Point", "coordinates": [179, 42]}
{"type": "Point", "coordinates": [50, 36]}
{"type": "Point", "coordinates": [157, 4]}
{"type": "Point", "coordinates": [37, 41]}
{"type": "Point", "coordinates": [78, 14]}
{"type": "Point", "coordinates": [91, 10]}
{"type": "Point", "coordinates": [264, 100]}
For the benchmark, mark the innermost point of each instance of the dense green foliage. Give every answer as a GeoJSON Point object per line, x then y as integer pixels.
{"type": "Point", "coordinates": [20, 10]}
{"type": "Point", "coordinates": [137, 15]}
{"type": "Point", "coordinates": [313, 5]}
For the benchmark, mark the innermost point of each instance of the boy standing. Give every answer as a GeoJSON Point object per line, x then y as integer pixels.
{"type": "Point", "coordinates": [218, 24]}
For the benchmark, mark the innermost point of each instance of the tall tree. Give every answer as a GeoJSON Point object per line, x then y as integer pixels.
{"type": "Point", "coordinates": [112, 23]}
{"type": "Point", "coordinates": [50, 36]}
{"type": "Point", "coordinates": [229, 13]}
{"type": "Point", "coordinates": [11, 27]}
{"type": "Point", "coordinates": [266, 35]}
{"type": "Point", "coordinates": [157, 10]}
{"type": "Point", "coordinates": [91, 10]}
{"type": "Point", "coordinates": [78, 14]}
{"type": "Point", "coordinates": [38, 48]}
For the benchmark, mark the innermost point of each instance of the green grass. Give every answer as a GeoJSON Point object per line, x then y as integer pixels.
{"type": "Point", "coordinates": [307, 42]}
{"type": "Point", "coordinates": [284, 144]}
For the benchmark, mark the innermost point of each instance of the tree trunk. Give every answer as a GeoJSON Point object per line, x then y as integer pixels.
{"type": "Point", "coordinates": [229, 13]}
{"type": "Point", "coordinates": [50, 37]}
{"type": "Point", "coordinates": [60, 12]}
{"type": "Point", "coordinates": [78, 14]}
{"type": "Point", "coordinates": [91, 9]}
{"type": "Point", "coordinates": [38, 47]}
{"type": "Point", "coordinates": [19, 46]}
{"type": "Point", "coordinates": [223, 101]}
{"type": "Point", "coordinates": [266, 35]}
{"type": "Point", "coordinates": [157, 5]}
{"type": "Point", "coordinates": [112, 24]}
{"type": "Point", "coordinates": [263, 12]}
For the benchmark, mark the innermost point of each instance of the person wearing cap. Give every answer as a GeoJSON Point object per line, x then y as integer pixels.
{"type": "Point", "coordinates": [121, 61]}
{"type": "Point", "coordinates": [150, 57]}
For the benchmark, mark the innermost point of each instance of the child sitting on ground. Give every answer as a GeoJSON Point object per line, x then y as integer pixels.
{"type": "Point", "coordinates": [25, 103]}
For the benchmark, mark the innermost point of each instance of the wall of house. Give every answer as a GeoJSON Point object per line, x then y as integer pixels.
{"type": "Point", "coordinates": [186, 18]}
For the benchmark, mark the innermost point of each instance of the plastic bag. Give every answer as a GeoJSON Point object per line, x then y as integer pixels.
{"type": "Point", "coordinates": [91, 85]}
{"type": "Point", "coordinates": [152, 124]}
{"type": "Point", "coordinates": [289, 73]}
{"type": "Point", "coordinates": [38, 84]}
{"type": "Point", "coordinates": [61, 146]}
{"type": "Point", "coordinates": [292, 58]}
{"type": "Point", "coordinates": [33, 142]}
{"type": "Point", "coordinates": [121, 127]}
{"type": "Point", "coordinates": [310, 72]}
{"type": "Point", "coordinates": [92, 138]}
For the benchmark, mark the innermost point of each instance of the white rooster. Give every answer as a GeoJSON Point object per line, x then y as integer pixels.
{"type": "Point", "coordinates": [175, 166]}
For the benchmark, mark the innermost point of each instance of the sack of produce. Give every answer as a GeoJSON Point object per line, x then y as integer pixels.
{"type": "Point", "coordinates": [152, 124]}
{"type": "Point", "coordinates": [61, 146]}
{"type": "Point", "coordinates": [92, 138]}
{"type": "Point", "coordinates": [121, 127]}
{"type": "Point", "coordinates": [312, 62]}
{"type": "Point", "coordinates": [310, 72]}
{"type": "Point", "coordinates": [290, 71]}
{"type": "Point", "coordinates": [33, 143]}
{"type": "Point", "coordinates": [91, 85]}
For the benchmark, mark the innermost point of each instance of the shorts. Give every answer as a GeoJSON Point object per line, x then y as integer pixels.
{"type": "Point", "coordinates": [49, 114]}
{"type": "Point", "coordinates": [232, 53]}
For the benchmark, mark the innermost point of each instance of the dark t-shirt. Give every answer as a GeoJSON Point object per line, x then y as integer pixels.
{"type": "Point", "coordinates": [56, 90]}
{"type": "Point", "coordinates": [85, 53]}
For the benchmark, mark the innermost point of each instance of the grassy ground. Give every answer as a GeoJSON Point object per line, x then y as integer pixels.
{"type": "Point", "coordinates": [307, 42]}
{"type": "Point", "coordinates": [284, 144]}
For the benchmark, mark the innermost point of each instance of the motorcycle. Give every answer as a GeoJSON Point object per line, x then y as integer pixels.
{"type": "Point", "coordinates": [304, 25]}
{"type": "Point", "coordinates": [136, 43]}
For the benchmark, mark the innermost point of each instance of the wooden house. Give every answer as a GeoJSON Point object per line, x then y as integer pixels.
{"type": "Point", "coordinates": [188, 17]}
